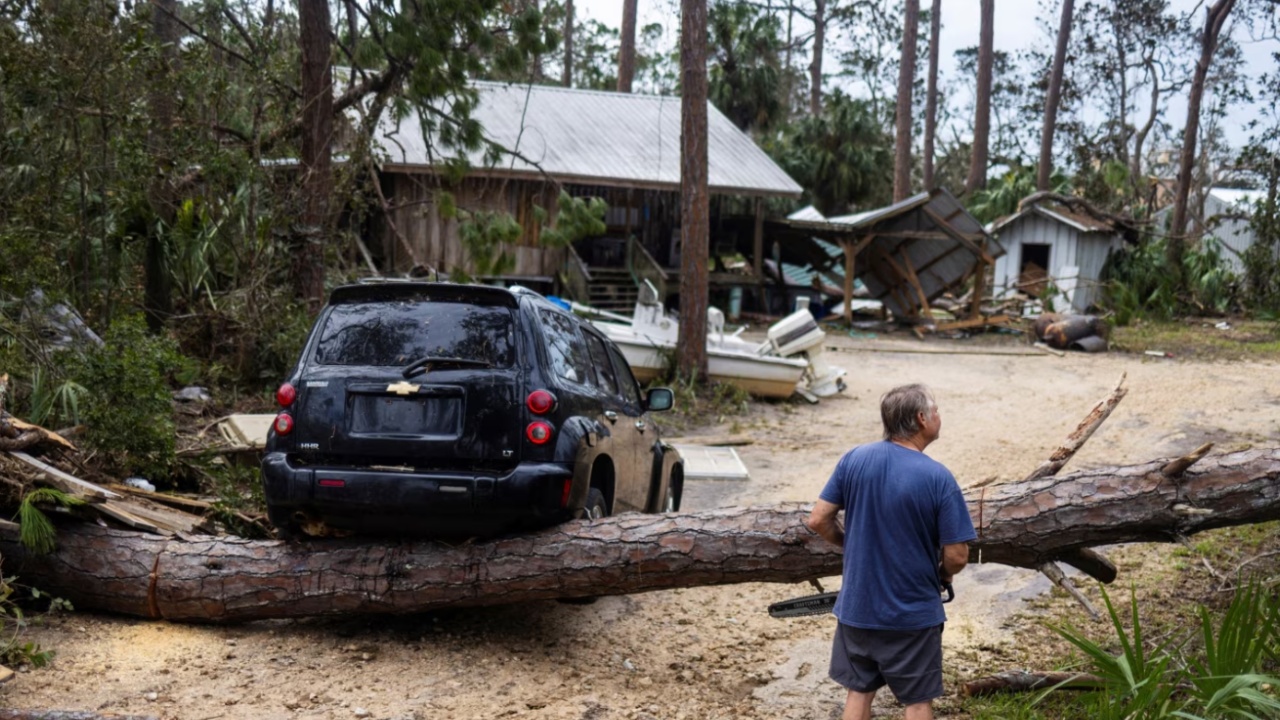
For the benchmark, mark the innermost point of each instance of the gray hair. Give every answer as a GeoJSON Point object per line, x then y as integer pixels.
{"type": "Point", "coordinates": [900, 409]}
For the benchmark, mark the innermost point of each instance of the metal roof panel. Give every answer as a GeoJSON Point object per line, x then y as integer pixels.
{"type": "Point", "coordinates": [594, 137]}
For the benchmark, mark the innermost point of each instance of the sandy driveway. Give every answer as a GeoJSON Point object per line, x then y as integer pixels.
{"type": "Point", "coordinates": [695, 653]}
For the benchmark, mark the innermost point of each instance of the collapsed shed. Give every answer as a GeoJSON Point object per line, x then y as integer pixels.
{"type": "Point", "coordinates": [907, 254]}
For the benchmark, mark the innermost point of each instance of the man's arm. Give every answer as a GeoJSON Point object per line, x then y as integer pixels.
{"type": "Point", "coordinates": [954, 558]}
{"type": "Point", "coordinates": [823, 520]}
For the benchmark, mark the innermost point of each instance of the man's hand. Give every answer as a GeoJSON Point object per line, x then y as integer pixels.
{"type": "Point", "coordinates": [954, 558]}
{"type": "Point", "coordinates": [824, 521]}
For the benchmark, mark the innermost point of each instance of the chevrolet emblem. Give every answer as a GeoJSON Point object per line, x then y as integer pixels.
{"type": "Point", "coordinates": [403, 388]}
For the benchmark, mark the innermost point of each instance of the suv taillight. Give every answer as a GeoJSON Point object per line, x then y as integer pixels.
{"type": "Point", "coordinates": [539, 433]}
{"type": "Point", "coordinates": [283, 423]}
{"type": "Point", "coordinates": [540, 402]}
{"type": "Point", "coordinates": [286, 394]}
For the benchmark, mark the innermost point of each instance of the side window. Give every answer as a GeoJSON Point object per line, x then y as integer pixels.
{"type": "Point", "coordinates": [627, 381]}
{"type": "Point", "coordinates": [606, 380]}
{"type": "Point", "coordinates": [565, 348]}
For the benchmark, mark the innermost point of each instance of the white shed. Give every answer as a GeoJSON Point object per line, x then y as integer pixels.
{"type": "Point", "coordinates": [1226, 214]}
{"type": "Point", "coordinates": [1050, 244]}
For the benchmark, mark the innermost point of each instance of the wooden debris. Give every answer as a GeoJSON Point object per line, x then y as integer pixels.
{"type": "Point", "coordinates": [65, 482]}
{"type": "Point", "coordinates": [1020, 681]}
{"type": "Point", "coordinates": [1059, 578]}
{"type": "Point", "coordinates": [712, 440]}
{"type": "Point", "coordinates": [1078, 437]}
{"type": "Point", "coordinates": [970, 323]}
{"type": "Point", "coordinates": [13, 714]}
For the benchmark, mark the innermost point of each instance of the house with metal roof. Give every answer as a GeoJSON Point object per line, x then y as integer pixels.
{"type": "Point", "coordinates": [624, 148]}
{"type": "Point", "coordinates": [1054, 252]}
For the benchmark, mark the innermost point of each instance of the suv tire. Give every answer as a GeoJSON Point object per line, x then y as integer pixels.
{"type": "Point", "coordinates": [596, 507]}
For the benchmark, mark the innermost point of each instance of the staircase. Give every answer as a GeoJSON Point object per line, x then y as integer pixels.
{"type": "Point", "coordinates": [612, 289]}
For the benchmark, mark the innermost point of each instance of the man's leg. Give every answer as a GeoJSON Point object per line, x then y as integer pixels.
{"type": "Point", "coordinates": [858, 706]}
{"type": "Point", "coordinates": [919, 711]}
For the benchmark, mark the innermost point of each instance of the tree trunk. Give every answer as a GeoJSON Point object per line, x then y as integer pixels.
{"type": "Point", "coordinates": [317, 135]}
{"type": "Point", "coordinates": [627, 49]}
{"type": "Point", "coordinates": [158, 283]}
{"type": "Point", "coordinates": [931, 93]}
{"type": "Point", "coordinates": [1054, 97]}
{"type": "Point", "coordinates": [815, 65]}
{"type": "Point", "coordinates": [906, 79]}
{"type": "Point", "coordinates": [566, 76]}
{"type": "Point", "coordinates": [982, 102]}
{"type": "Point", "coordinates": [1025, 524]}
{"type": "Point", "coordinates": [1215, 18]}
{"type": "Point", "coordinates": [695, 203]}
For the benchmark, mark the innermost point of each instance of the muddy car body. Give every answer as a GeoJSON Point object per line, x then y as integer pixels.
{"type": "Point", "coordinates": [459, 411]}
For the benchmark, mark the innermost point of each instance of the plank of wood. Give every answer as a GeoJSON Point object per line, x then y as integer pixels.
{"type": "Point", "coordinates": [67, 483]}
{"type": "Point", "coordinates": [973, 323]}
{"type": "Point", "coordinates": [712, 440]}
{"type": "Point", "coordinates": [118, 513]}
{"type": "Point", "coordinates": [182, 503]}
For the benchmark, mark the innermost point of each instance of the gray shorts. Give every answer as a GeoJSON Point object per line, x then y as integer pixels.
{"type": "Point", "coordinates": [908, 661]}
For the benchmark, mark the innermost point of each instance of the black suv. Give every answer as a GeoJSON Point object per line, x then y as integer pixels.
{"type": "Point", "coordinates": [458, 411]}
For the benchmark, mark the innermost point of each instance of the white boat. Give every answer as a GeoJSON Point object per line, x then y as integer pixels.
{"type": "Point", "coordinates": [649, 338]}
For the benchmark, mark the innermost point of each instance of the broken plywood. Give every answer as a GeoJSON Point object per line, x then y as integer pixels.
{"type": "Point", "coordinates": [247, 430]}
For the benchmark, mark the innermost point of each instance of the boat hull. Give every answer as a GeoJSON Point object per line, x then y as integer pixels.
{"type": "Point", "coordinates": [768, 377]}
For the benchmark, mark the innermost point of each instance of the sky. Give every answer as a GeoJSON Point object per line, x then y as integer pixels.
{"type": "Point", "coordinates": [1016, 28]}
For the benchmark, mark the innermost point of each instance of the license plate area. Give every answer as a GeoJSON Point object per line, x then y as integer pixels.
{"type": "Point", "coordinates": [434, 416]}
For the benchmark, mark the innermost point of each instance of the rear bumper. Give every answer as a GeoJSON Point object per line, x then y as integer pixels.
{"type": "Point", "coordinates": [435, 504]}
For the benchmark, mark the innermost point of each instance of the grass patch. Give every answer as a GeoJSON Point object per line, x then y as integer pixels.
{"type": "Point", "coordinates": [1200, 339]}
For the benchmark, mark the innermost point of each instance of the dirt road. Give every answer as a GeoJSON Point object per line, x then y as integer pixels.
{"type": "Point", "coordinates": [695, 653]}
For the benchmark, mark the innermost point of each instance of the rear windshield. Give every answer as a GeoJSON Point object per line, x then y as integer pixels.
{"type": "Point", "coordinates": [397, 333]}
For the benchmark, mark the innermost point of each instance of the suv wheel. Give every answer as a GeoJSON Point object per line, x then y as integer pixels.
{"type": "Point", "coordinates": [595, 507]}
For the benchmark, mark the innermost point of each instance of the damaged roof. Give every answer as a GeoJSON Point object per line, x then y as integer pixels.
{"type": "Point", "coordinates": [1076, 220]}
{"type": "Point", "coordinates": [592, 137]}
{"type": "Point", "coordinates": [927, 244]}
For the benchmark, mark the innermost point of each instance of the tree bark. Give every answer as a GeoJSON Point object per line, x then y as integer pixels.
{"type": "Point", "coordinates": [906, 80]}
{"type": "Point", "coordinates": [158, 283]}
{"type": "Point", "coordinates": [931, 93]}
{"type": "Point", "coordinates": [317, 166]}
{"type": "Point", "coordinates": [566, 76]}
{"type": "Point", "coordinates": [1215, 18]}
{"type": "Point", "coordinates": [627, 48]}
{"type": "Point", "coordinates": [815, 65]}
{"type": "Point", "coordinates": [1025, 524]}
{"type": "Point", "coordinates": [695, 203]}
{"type": "Point", "coordinates": [1021, 681]}
{"type": "Point", "coordinates": [1054, 98]}
{"type": "Point", "coordinates": [982, 102]}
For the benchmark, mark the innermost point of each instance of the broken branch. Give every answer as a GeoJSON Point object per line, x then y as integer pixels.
{"type": "Point", "coordinates": [1063, 454]}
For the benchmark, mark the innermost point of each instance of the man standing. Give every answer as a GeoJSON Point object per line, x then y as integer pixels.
{"type": "Point", "coordinates": [902, 510]}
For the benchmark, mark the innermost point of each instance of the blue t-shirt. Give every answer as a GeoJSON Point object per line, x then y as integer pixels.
{"type": "Point", "coordinates": [900, 508]}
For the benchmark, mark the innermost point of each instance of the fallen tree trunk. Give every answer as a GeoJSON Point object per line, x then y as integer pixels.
{"type": "Point", "coordinates": [1023, 524]}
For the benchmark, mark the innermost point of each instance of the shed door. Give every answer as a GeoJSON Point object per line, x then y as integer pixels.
{"type": "Point", "coordinates": [1033, 273]}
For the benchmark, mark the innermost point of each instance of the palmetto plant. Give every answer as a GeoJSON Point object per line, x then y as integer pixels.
{"type": "Point", "coordinates": [1220, 677]}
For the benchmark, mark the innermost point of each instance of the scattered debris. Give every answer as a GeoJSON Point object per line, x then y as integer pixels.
{"type": "Point", "coordinates": [1158, 353]}
{"type": "Point", "coordinates": [192, 394]}
{"type": "Point", "coordinates": [712, 463]}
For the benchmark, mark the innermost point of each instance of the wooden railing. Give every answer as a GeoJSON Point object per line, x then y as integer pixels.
{"type": "Point", "coordinates": [577, 276]}
{"type": "Point", "coordinates": [644, 267]}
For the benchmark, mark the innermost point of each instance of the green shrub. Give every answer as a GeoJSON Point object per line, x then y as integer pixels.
{"type": "Point", "coordinates": [1140, 286]}
{"type": "Point", "coordinates": [128, 411]}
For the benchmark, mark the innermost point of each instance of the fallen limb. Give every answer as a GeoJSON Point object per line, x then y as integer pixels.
{"type": "Point", "coordinates": [229, 580]}
{"type": "Point", "coordinates": [5, 714]}
{"type": "Point", "coordinates": [1019, 681]}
